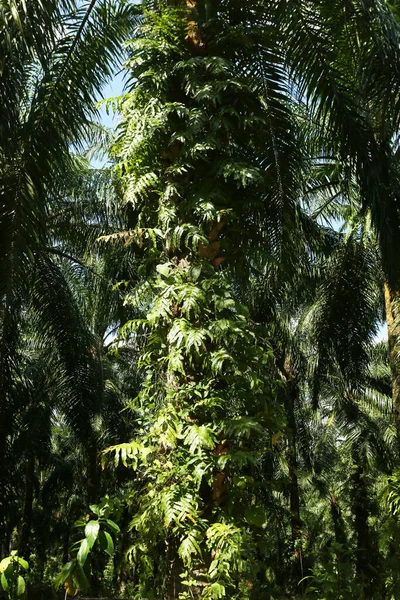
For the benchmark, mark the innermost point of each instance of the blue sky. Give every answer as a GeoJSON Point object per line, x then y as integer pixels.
{"type": "Point", "coordinates": [114, 88]}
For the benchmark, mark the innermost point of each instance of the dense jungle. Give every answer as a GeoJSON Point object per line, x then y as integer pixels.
{"type": "Point", "coordinates": [200, 299]}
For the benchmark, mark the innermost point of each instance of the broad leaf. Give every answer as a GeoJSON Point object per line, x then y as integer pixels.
{"type": "Point", "coordinates": [106, 542]}
{"type": "Point", "coordinates": [91, 532]}
{"type": "Point", "coordinates": [4, 563]}
{"type": "Point", "coordinates": [83, 552]}
{"type": "Point", "coordinates": [95, 509]}
{"type": "Point", "coordinates": [80, 580]}
{"type": "Point", "coordinates": [20, 586]}
{"type": "Point", "coordinates": [113, 526]}
{"type": "Point", "coordinates": [65, 573]}
{"type": "Point", "coordinates": [4, 582]}
{"type": "Point", "coordinates": [23, 563]}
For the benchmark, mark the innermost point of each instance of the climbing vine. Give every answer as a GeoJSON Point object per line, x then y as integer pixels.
{"type": "Point", "coordinates": [188, 159]}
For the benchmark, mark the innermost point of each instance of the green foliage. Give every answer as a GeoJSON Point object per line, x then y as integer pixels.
{"type": "Point", "coordinates": [211, 166]}
{"type": "Point", "coordinates": [206, 405]}
{"type": "Point", "coordinates": [11, 580]}
{"type": "Point", "coordinates": [75, 574]}
{"type": "Point", "coordinates": [257, 159]}
{"type": "Point", "coordinates": [335, 581]}
{"type": "Point", "coordinates": [193, 434]}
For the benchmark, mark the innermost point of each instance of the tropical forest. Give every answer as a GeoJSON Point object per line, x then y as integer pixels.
{"type": "Point", "coordinates": [200, 299]}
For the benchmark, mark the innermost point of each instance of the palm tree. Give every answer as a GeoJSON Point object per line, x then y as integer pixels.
{"type": "Point", "coordinates": [374, 183]}
{"type": "Point", "coordinates": [55, 57]}
{"type": "Point", "coordinates": [236, 115]}
{"type": "Point", "coordinates": [212, 162]}
{"type": "Point", "coordinates": [72, 383]}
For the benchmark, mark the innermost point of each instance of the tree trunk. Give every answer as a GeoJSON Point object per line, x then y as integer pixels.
{"type": "Point", "coordinates": [173, 568]}
{"type": "Point", "coordinates": [3, 497]}
{"type": "Point", "coordinates": [291, 397]}
{"type": "Point", "coordinates": [340, 537]}
{"type": "Point", "coordinates": [26, 527]}
{"type": "Point", "coordinates": [338, 525]}
{"type": "Point", "coordinates": [212, 495]}
{"type": "Point", "coordinates": [360, 508]}
{"type": "Point", "coordinates": [392, 305]}
{"type": "Point", "coordinates": [5, 483]}
{"type": "Point", "coordinates": [208, 365]}
{"type": "Point", "coordinates": [295, 519]}
{"type": "Point", "coordinates": [92, 473]}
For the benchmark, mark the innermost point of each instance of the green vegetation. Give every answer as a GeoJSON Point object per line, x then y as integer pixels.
{"type": "Point", "coordinates": [193, 400]}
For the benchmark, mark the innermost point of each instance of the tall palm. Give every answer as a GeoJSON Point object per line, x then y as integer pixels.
{"type": "Point", "coordinates": [211, 155]}
{"type": "Point", "coordinates": [55, 56]}
{"type": "Point", "coordinates": [375, 180]}
{"type": "Point", "coordinates": [351, 389]}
